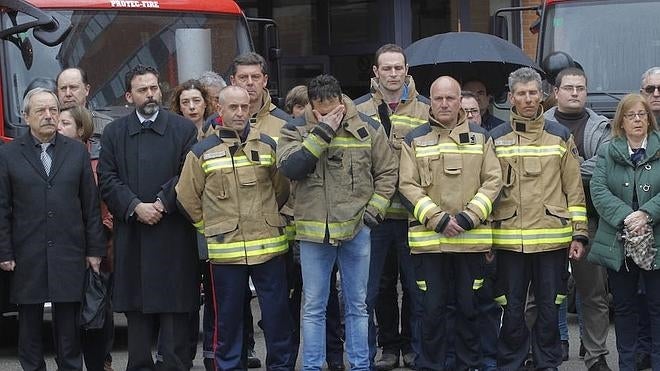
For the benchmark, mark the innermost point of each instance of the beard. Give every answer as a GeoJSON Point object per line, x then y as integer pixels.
{"type": "Point", "coordinates": [149, 107]}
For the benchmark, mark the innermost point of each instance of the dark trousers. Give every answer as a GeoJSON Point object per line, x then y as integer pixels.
{"type": "Point", "coordinates": [229, 284]}
{"type": "Point", "coordinates": [66, 335]}
{"type": "Point", "coordinates": [439, 276]}
{"type": "Point", "coordinates": [623, 285]}
{"type": "Point", "coordinates": [644, 341]}
{"type": "Point", "coordinates": [334, 329]}
{"type": "Point", "coordinates": [208, 316]}
{"type": "Point", "coordinates": [173, 330]}
{"type": "Point", "coordinates": [548, 274]}
{"type": "Point", "coordinates": [391, 260]}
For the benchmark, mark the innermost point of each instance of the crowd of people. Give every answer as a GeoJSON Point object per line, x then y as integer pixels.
{"type": "Point", "coordinates": [476, 218]}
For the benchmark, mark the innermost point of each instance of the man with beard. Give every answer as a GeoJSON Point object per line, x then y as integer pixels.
{"type": "Point", "coordinates": [140, 161]}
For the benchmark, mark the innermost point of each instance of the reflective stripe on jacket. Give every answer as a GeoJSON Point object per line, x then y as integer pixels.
{"type": "Point", "coordinates": [541, 206]}
{"type": "Point", "coordinates": [337, 176]}
{"type": "Point", "coordinates": [232, 193]}
{"type": "Point", "coordinates": [446, 172]}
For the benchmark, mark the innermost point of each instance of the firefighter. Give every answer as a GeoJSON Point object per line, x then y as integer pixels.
{"type": "Point", "coordinates": [345, 175]}
{"type": "Point", "coordinates": [394, 102]}
{"type": "Point", "coordinates": [449, 179]}
{"type": "Point", "coordinates": [231, 190]}
{"type": "Point", "coordinates": [539, 215]}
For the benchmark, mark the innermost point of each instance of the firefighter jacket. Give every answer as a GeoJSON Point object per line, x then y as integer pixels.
{"type": "Point", "coordinates": [541, 206]}
{"type": "Point", "coordinates": [232, 192]}
{"type": "Point", "coordinates": [445, 172]}
{"type": "Point", "coordinates": [269, 119]}
{"type": "Point", "coordinates": [337, 176]}
{"type": "Point", "coordinates": [411, 112]}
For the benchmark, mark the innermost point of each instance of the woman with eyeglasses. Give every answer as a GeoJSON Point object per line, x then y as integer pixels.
{"type": "Point", "coordinates": [625, 189]}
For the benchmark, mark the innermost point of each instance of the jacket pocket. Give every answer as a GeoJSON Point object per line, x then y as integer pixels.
{"type": "Point", "coordinates": [558, 212]}
{"type": "Point", "coordinates": [452, 163]}
{"type": "Point", "coordinates": [503, 213]}
{"type": "Point", "coordinates": [218, 231]}
{"type": "Point", "coordinates": [532, 166]}
{"type": "Point", "coordinates": [247, 175]}
{"type": "Point", "coordinates": [426, 166]}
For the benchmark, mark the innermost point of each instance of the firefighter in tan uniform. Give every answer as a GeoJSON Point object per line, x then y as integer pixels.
{"type": "Point", "coordinates": [539, 221]}
{"type": "Point", "coordinates": [230, 188]}
{"type": "Point", "coordinates": [394, 102]}
{"type": "Point", "coordinates": [449, 179]}
{"type": "Point", "coordinates": [345, 174]}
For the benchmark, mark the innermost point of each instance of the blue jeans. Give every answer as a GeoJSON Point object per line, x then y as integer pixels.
{"type": "Point", "coordinates": [317, 260]}
{"type": "Point", "coordinates": [563, 323]}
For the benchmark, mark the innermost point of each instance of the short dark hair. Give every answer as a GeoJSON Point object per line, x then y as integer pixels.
{"type": "Point", "coordinates": [83, 74]}
{"type": "Point", "coordinates": [249, 59]}
{"type": "Point", "coordinates": [138, 70]}
{"type": "Point", "coordinates": [468, 94]}
{"type": "Point", "coordinates": [389, 48]}
{"type": "Point", "coordinates": [323, 87]}
{"type": "Point", "coordinates": [569, 71]}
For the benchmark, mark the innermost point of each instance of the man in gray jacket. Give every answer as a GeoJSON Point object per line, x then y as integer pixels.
{"type": "Point", "coordinates": [590, 130]}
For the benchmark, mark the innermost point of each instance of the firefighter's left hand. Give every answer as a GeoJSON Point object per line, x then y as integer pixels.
{"type": "Point", "coordinates": [576, 251]}
{"type": "Point", "coordinates": [452, 229]}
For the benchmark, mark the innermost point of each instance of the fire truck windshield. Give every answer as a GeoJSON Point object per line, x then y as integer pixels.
{"type": "Point", "coordinates": [106, 43]}
{"type": "Point", "coordinates": [615, 41]}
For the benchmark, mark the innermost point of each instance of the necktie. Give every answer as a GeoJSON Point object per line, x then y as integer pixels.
{"type": "Point", "coordinates": [45, 157]}
{"type": "Point", "coordinates": [637, 155]}
{"type": "Point", "coordinates": [147, 124]}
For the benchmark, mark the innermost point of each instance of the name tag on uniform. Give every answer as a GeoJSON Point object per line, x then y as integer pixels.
{"type": "Point", "coordinates": [208, 156]}
{"type": "Point", "coordinates": [505, 142]}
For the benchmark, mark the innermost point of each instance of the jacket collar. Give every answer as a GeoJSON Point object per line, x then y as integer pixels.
{"type": "Point", "coordinates": [525, 127]}
{"type": "Point", "coordinates": [458, 133]}
{"type": "Point", "coordinates": [350, 123]}
{"type": "Point", "coordinates": [408, 95]}
{"type": "Point", "coordinates": [158, 126]}
{"type": "Point", "coordinates": [266, 105]}
{"type": "Point", "coordinates": [63, 145]}
{"type": "Point", "coordinates": [619, 149]}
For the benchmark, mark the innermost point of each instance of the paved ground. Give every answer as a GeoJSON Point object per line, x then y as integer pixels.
{"type": "Point", "coordinates": [8, 361]}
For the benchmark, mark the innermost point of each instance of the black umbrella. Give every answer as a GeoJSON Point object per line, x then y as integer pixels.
{"type": "Point", "coordinates": [466, 56]}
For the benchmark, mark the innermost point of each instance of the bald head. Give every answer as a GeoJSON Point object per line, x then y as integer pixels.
{"type": "Point", "coordinates": [446, 100]}
{"type": "Point", "coordinates": [234, 103]}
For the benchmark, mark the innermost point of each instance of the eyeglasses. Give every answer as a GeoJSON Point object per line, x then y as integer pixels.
{"type": "Point", "coordinates": [573, 88]}
{"type": "Point", "coordinates": [631, 115]}
{"type": "Point", "coordinates": [472, 112]}
{"type": "Point", "coordinates": [650, 89]}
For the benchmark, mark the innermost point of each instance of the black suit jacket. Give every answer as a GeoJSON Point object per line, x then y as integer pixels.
{"type": "Point", "coordinates": [48, 223]}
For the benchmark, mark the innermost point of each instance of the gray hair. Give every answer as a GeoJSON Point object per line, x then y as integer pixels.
{"type": "Point", "coordinates": [212, 79]}
{"type": "Point", "coordinates": [522, 76]}
{"type": "Point", "coordinates": [648, 73]}
{"type": "Point", "coordinates": [33, 92]}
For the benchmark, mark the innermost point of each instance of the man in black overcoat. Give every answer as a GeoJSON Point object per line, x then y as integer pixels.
{"type": "Point", "coordinates": [50, 230]}
{"type": "Point", "coordinates": [156, 263]}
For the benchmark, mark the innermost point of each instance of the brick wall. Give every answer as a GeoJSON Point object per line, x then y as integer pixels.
{"type": "Point", "coordinates": [529, 40]}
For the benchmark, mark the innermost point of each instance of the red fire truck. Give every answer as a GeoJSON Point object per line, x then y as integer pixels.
{"type": "Point", "coordinates": [615, 41]}
{"type": "Point", "coordinates": [181, 38]}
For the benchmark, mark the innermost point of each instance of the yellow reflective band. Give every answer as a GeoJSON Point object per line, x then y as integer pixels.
{"type": "Point", "coordinates": [408, 121]}
{"type": "Point", "coordinates": [578, 213]}
{"type": "Point", "coordinates": [560, 299]}
{"type": "Point", "coordinates": [238, 161]}
{"type": "Point", "coordinates": [422, 207]}
{"type": "Point", "coordinates": [421, 285]}
{"type": "Point", "coordinates": [316, 230]}
{"type": "Point", "coordinates": [379, 202]}
{"type": "Point", "coordinates": [501, 300]}
{"type": "Point", "coordinates": [199, 226]}
{"type": "Point", "coordinates": [349, 142]}
{"type": "Point", "coordinates": [532, 236]}
{"type": "Point", "coordinates": [251, 248]}
{"type": "Point", "coordinates": [315, 145]}
{"type": "Point", "coordinates": [290, 232]}
{"type": "Point", "coordinates": [477, 284]}
{"type": "Point", "coordinates": [530, 151]}
{"type": "Point", "coordinates": [481, 201]}
{"type": "Point", "coordinates": [421, 239]}
{"type": "Point", "coordinates": [474, 149]}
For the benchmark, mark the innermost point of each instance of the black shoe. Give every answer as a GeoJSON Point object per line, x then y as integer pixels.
{"type": "Point", "coordinates": [583, 350]}
{"type": "Point", "coordinates": [409, 360]}
{"type": "Point", "coordinates": [564, 350]}
{"type": "Point", "coordinates": [387, 361]}
{"type": "Point", "coordinates": [336, 366]}
{"type": "Point", "coordinates": [252, 360]}
{"type": "Point", "coordinates": [600, 365]}
{"type": "Point", "coordinates": [643, 361]}
{"type": "Point", "coordinates": [209, 364]}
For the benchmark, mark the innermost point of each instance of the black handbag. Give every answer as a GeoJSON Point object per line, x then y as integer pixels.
{"type": "Point", "coordinates": [95, 300]}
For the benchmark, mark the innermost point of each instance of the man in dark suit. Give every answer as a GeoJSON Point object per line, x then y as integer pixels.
{"type": "Point", "coordinates": [156, 263]}
{"type": "Point", "coordinates": [45, 179]}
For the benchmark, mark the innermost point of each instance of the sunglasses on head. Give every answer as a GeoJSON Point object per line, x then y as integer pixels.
{"type": "Point", "coordinates": [650, 89]}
